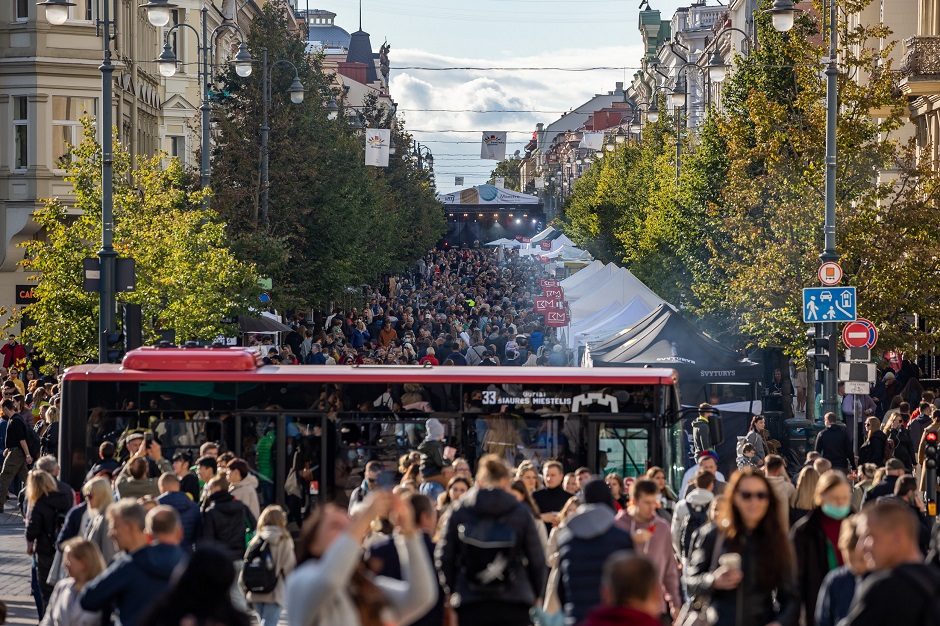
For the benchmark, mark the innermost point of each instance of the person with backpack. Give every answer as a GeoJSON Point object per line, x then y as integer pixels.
{"type": "Point", "coordinates": [490, 558]}
{"type": "Point", "coordinates": [46, 510]}
{"type": "Point", "coordinates": [269, 559]}
{"type": "Point", "coordinates": [691, 514]}
{"type": "Point", "coordinates": [17, 451]}
{"type": "Point", "coordinates": [227, 522]}
{"type": "Point", "coordinates": [703, 429]}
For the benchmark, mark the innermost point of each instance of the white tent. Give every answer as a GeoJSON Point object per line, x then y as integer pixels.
{"type": "Point", "coordinates": [626, 316]}
{"type": "Point", "coordinates": [592, 286]}
{"type": "Point", "coordinates": [608, 311]}
{"type": "Point", "coordinates": [581, 275]}
{"type": "Point", "coordinates": [498, 242]}
{"type": "Point", "coordinates": [570, 253]}
{"type": "Point", "coordinates": [619, 284]}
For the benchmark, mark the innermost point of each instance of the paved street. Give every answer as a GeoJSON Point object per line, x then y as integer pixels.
{"type": "Point", "coordinates": [14, 571]}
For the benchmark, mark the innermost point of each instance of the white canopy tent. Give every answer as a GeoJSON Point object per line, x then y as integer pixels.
{"type": "Point", "coordinates": [581, 275]}
{"type": "Point", "coordinates": [591, 286]}
{"type": "Point", "coordinates": [498, 242]}
{"type": "Point", "coordinates": [626, 316]}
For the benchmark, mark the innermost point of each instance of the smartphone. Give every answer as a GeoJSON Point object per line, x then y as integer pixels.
{"type": "Point", "coordinates": [148, 437]}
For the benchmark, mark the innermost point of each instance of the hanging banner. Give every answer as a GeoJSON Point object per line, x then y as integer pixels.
{"type": "Point", "coordinates": [378, 141]}
{"type": "Point", "coordinates": [540, 183]}
{"type": "Point", "coordinates": [500, 182]}
{"type": "Point", "coordinates": [545, 244]}
{"type": "Point", "coordinates": [556, 292]}
{"type": "Point", "coordinates": [493, 147]}
{"type": "Point", "coordinates": [592, 141]}
{"type": "Point", "coordinates": [557, 319]}
{"type": "Point", "coordinates": [547, 282]}
{"type": "Point", "coordinates": [543, 304]}
{"type": "Point", "coordinates": [458, 181]}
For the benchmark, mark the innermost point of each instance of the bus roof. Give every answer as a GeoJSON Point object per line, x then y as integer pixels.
{"type": "Point", "coordinates": [218, 365]}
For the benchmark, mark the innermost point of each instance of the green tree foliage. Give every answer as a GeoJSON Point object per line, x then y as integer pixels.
{"type": "Point", "coordinates": [739, 237]}
{"type": "Point", "coordinates": [508, 169]}
{"type": "Point", "coordinates": [188, 279]}
{"type": "Point", "coordinates": [334, 223]}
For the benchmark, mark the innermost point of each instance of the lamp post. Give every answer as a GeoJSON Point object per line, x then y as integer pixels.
{"type": "Point", "coordinates": [296, 91]}
{"type": "Point", "coordinates": [424, 155]}
{"type": "Point", "coordinates": [57, 13]}
{"type": "Point", "coordinates": [783, 14]}
{"type": "Point", "coordinates": [167, 64]}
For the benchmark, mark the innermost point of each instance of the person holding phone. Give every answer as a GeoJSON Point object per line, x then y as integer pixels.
{"type": "Point", "coordinates": [743, 562]}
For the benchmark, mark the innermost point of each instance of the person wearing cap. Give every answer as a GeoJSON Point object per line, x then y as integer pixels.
{"type": "Point", "coordinates": [583, 543]}
{"type": "Point", "coordinates": [707, 460]}
{"type": "Point", "coordinates": [370, 482]}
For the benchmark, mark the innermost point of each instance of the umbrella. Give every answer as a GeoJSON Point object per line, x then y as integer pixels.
{"type": "Point", "coordinates": [247, 324]}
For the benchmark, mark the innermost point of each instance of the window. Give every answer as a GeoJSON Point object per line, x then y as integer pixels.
{"type": "Point", "coordinates": [20, 133]}
{"type": "Point", "coordinates": [178, 147]}
{"type": "Point", "coordinates": [177, 42]}
{"type": "Point", "coordinates": [67, 112]}
{"type": "Point", "coordinates": [22, 10]}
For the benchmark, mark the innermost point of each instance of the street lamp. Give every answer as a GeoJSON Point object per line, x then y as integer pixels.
{"type": "Point", "coordinates": [716, 67]}
{"type": "Point", "coordinates": [296, 91]}
{"type": "Point", "coordinates": [57, 12]}
{"type": "Point", "coordinates": [677, 97]}
{"type": "Point", "coordinates": [782, 15]}
{"type": "Point", "coordinates": [167, 64]}
{"type": "Point", "coordinates": [332, 109]}
{"type": "Point", "coordinates": [652, 112]}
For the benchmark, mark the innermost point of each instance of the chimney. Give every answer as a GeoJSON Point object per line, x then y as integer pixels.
{"type": "Point", "coordinates": [619, 88]}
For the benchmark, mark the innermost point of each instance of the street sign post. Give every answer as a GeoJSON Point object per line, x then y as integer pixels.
{"type": "Point", "coordinates": [829, 304]}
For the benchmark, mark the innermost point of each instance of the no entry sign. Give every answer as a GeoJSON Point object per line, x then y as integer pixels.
{"type": "Point", "coordinates": [860, 334]}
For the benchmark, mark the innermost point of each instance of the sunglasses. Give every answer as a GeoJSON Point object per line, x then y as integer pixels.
{"type": "Point", "coordinates": [752, 495]}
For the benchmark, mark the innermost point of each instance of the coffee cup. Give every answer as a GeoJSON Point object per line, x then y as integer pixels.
{"type": "Point", "coordinates": [731, 561]}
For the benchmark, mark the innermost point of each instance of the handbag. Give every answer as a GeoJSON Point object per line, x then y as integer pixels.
{"type": "Point", "coordinates": [56, 571]}
{"type": "Point", "coordinates": [697, 611]}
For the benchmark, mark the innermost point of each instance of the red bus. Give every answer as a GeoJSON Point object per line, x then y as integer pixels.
{"type": "Point", "coordinates": [287, 419]}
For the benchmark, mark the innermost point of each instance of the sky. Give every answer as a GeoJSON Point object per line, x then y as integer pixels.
{"type": "Point", "coordinates": [495, 34]}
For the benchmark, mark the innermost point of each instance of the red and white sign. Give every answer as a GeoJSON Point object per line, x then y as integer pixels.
{"type": "Point", "coordinates": [545, 244]}
{"type": "Point", "coordinates": [544, 304]}
{"type": "Point", "coordinates": [860, 334]}
{"type": "Point", "coordinates": [548, 282]}
{"type": "Point", "coordinates": [522, 239]}
{"type": "Point", "coordinates": [556, 293]}
{"type": "Point", "coordinates": [830, 274]}
{"type": "Point", "coordinates": [556, 319]}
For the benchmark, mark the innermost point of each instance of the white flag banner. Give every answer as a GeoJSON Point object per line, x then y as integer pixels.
{"type": "Point", "coordinates": [500, 182]}
{"type": "Point", "coordinates": [493, 147]}
{"type": "Point", "coordinates": [378, 141]}
{"type": "Point", "coordinates": [540, 183]}
{"type": "Point", "coordinates": [592, 141]}
{"type": "Point", "coordinates": [458, 181]}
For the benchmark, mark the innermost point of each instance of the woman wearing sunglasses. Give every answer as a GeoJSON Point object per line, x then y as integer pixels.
{"type": "Point", "coordinates": [743, 562]}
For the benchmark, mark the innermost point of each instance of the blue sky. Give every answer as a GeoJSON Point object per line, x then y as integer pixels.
{"type": "Point", "coordinates": [495, 33]}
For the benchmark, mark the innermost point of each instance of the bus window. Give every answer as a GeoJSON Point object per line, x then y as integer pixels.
{"type": "Point", "coordinates": [623, 449]}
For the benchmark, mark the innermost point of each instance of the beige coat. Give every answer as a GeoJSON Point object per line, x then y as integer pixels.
{"type": "Point", "coordinates": [282, 549]}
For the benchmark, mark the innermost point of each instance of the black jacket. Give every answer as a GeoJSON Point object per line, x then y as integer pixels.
{"type": "Point", "coordinates": [884, 488]}
{"type": "Point", "coordinates": [584, 544]}
{"type": "Point", "coordinates": [903, 448]}
{"type": "Point", "coordinates": [528, 578]}
{"type": "Point", "coordinates": [904, 595]}
{"type": "Point", "coordinates": [755, 605]}
{"type": "Point", "coordinates": [73, 523]}
{"type": "Point", "coordinates": [43, 526]}
{"type": "Point", "coordinates": [873, 450]}
{"type": "Point", "coordinates": [834, 445]}
{"type": "Point", "coordinates": [49, 440]}
{"type": "Point", "coordinates": [812, 561]}
{"type": "Point", "coordinates": [225, 520]}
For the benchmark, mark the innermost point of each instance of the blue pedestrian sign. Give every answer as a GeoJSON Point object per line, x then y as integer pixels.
{"type": "Point", "coordinates": [829, 304]}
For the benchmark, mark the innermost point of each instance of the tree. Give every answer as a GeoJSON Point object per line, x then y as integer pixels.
{"type": "Point", "coordinates": [509, 170]}
{"type": "Point", "coordinates": [334, 223]}
{"type": "Point", "coordinates": [188, 279]}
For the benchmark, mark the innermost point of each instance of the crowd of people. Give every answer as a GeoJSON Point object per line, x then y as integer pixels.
{"type": "Point", "coordinates": [469, 306]}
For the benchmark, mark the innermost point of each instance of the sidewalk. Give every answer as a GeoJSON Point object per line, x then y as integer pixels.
{"type": "Point", "coordinates": [14, 570]}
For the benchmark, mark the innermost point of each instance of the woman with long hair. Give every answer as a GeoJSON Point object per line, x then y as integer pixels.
{"type": "Point", "coordinates": [45, 504]}
{"type": "Point", "coordinates": [755, 438]}
{"type": "Point", "coordinates": [667, 499]}
{"type": "Point", "coordinates": [528, 475]}
{"type": "Point", "coordinates": [82, 561]}
{"type": "Point", "coordinates": [99, 496]}
{"type": "Point", "coordinates": [200, 594]}
{"type": "Point", "coordinates": [615, 484]}
{"type": "Point", "coordinates": [816, 537]}
{"type": "Point", "coordinates": [744, 561]}
{"type": "Point", "coordinates": [897, 434]}
{"type": "Point", "coordinates": [332, 586]}
{"type": "Point", "coordinates": [49, 433]}
{"type": "Point", "coordinates": [272, 529]}
{"type": "Point", "coordinates": [804, 498]}
{"type": "Point", "coordinates": [873, 450]}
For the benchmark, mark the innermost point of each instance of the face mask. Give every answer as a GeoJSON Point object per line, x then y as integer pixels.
{"type": "Point", "coordinates": [836, 512]}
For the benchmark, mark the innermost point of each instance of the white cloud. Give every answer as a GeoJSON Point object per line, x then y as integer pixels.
{"type": "Point", "coordinates": [541, 94]}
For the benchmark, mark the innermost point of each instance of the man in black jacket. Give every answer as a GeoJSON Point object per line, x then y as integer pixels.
{"type": "Point", "coordinates": [225, 521]}
{"type": "Point", "coordinates": [902, 589]}
{"type": "Point", "coordinates": [490, 558]}
{"type": "Point", "coordinates": [894, 469]}
{"type": "Point", "coordinates": [834, 444]}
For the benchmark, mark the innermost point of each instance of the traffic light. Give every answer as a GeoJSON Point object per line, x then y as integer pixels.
{"type": "Point", "coordinates": [819, 351]}
{"type": "Point", "coordinates": [930, 450]}
{"type": "Point", "coordinates": [115, 347]}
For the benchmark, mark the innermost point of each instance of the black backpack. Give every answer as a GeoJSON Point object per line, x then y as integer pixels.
{"type": "Point", "coordinates": [488, 552]}
{"type": "Point", "coordinates": [259, 574]}
{"type": "Point", "coordinates": [698, 517]}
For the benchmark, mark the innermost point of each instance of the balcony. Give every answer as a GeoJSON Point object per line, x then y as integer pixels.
{"type": "Point", "coordinates": [921, 67]}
